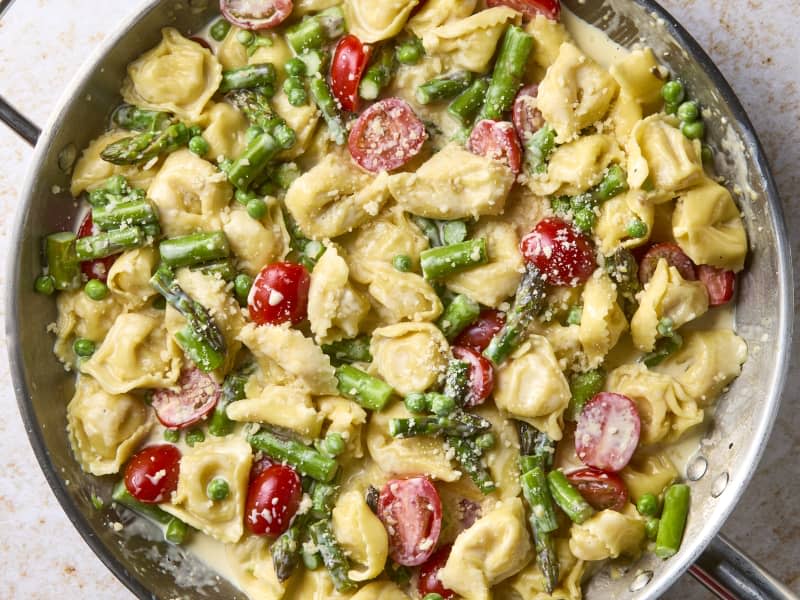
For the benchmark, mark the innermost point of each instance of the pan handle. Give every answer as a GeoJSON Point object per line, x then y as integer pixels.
{"type": "Point", "coordinates": [18, 123]}
{"type": "Point", "coordinates": [731, 575]}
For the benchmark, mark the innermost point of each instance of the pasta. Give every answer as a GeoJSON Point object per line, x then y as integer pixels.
{"type": "Point", "coordinates": [374, 23]}
{"type": "Point", "coordinates": [362, 536]}
{"type": "Point", "coordinates": [410, 357]}
{"type": "Point", "coordinates": [608, 534]}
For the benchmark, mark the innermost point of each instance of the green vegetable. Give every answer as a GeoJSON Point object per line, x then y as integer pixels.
{"type": "Point", "coordinates": [194, 436]}
{"type": "Point", "coordinates": [537, 494]}
{"type": "Point", "coordinates": [133, 118]}
{"type": "Point", "coordinates": [286, 549]}
{"type": "Point", "coordinates": [260, 41]}
{"type": "Point", "coordinates": [535, 447]}
{"type": "Point", "coordinates": [673, 520]}
{"type": "Point", "coordinates": [348, 351]}
{"type": "Point", "coordinates": [689, 111]}
{"type": "Point", "coordinates": [286, 174]}
{"type": "Point", "coordinates": [333, 444]}
{"type": "Point", "coordinates": [307, 460]}
{"type": "Point", "coordinates": [647, 505]}
{"type": "Point", "coordinates": [433, 596]}
{"type": "Point", "coordinates": [583, 387]}
{"type": "Point", "coordinates": [707, 153]}
{"type": "Point", "coordinates": [295, 91]}
{"type": "Point", "coordinates": [258, 154]}
{"type": "Point", "coordinates": [97, 502]}
{"type": "Point", "coordinates": [486, 441]}
{"type": "Point", "coordinates": [623, 270]}
{"type": "Point", "coordinates": [637, 228]}
{"type": "Point", "coordinates": [108, 243]}
{"type": "Point", "coordinates": [417, 403]}
{"type": "Point", "coordinates": [456, 383]}
{"type": "Point", "coordinates": [694, 131]}
{"type": "Point", "coordinates": [123, 497]}
{"type": "Point", "coordinates": [458, 315]}
{"type": "Point", "coordinates": [538, 149]}
{"type": "Point", "coordinates": [403, 263]}
{"type": "Point", "coordinates": [468, 456]}
{"type": "Point", "coordinates": [467, 105]}
{"type": "Point", "coordinates": [44, 284]}
{"type": "Point", "coordinates": [378, 74]}
{"type": "Point", "coordinates": [323, 98]}
{"type": "Point", "coordinates": [316, 62]}
{"type": "Point", "coordinates": [410, 51]}
{"type": "Point", "coordinates": [547, 559]}
{"type": "Point", "coordinates": [194, 249]}
{"type": "Point", "coordinates": [441, 404]}
{"type": "Point", "coordinates": [314, 32]}
{"type": "Point", "coordinates": [83, 347]}
{"type": "Point", "coordinates": [575, 315]}
{"type": "Point", "coordinates": [218, 489]}
{"type": "Point", "coordinates": [232, 390]}
{"type": "Point", "coordinates": [245, 37]}
{"type": "Point", "coordinates": [241, 287]}
{"type": "Point", "coordinates": [332, 555]}
{"type": "Point", "coordinates": [172, 435]}
{"type": "Point", "coordinates": [295, 67]}
{"type": "Point", "coordinates": [509, 70]}
{"type": "Point", "coordinates": [198, 145]}
{"type": "Point", "coordinates": [323, 499]}
{"type": "Point", "coordinates": [444, 261]}
{"type": "Point", "coordinates": [115, 215]}
{"type": "Point", "coordinates": [673, 92]}
{"type": "Point", "coordinates": [96, 289]}
{"type": "Point", "coordinates": [370, 392]}
{"type": "Point", "coordinates": [248, 77]}
{"type": "Point", "coordinates": [665, 347]}
{"type": "Point", "coordinates": [651, 526]}
{"type": "Point", "coordinates": [429, 229]}
{"type": "Point", "coordinates": [62, 263]}
{"type": "Point", "coordinates": [219, 30]}
{"type": "Point", "coordinates": [140, 149]}
{"type": "Point", "coordinates": [456, 423]}
{"type": "Point", "coordinates": [223, 269]}
{"type": "Point", "coordinates": [568, 498]}
{"type": "Point", "coordinates": [312, 562]}
{"type": "Point", "coordinates": [444, 87]}
{"type": "Point", "coordinates": [614, 182]}
{"type": "Point", "coordinates": [256, 208]}
{"type": "Point", "coordinates": [256, 108]}
{"type": "Point", "coordinates": [176, 531]}
{"type": "Point", "coordinates": [453, 232]}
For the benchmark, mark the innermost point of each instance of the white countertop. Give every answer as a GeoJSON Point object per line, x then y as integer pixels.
{"type": "Point", "coordinates": [42, 42]}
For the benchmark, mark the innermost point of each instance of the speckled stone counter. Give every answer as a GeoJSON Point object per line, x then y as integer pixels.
{"type": "Point", "coordinates": [754, 42]}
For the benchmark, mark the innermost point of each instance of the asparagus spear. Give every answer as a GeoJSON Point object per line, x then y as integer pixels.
{"type": "Point", "coordinates": [249, 77]}
{"type": "Point", "coordinates": [430, 229]}
{"type": "Point", "coordinates": [348, 351]}
{"type": "Point", "coordinates": [194, 249]}
{"type": "Point", "coordinates": [623, 270]}
{"type": "Point", "coordinates": [370, 392]}
{"type": "Point", "coordinates": [444, 261]}
{"type": "Point", "coordinates": [323, 98]}
{"type": "Point", "coordinates": [468, 456]}
{"type": "Point", "coordinates": [259, 153]}
{"type": "Point", "coordinates": [583, 387]}
{"type": "Point", "coordinates": [459, 424]}
{"type": "Point", "coordinates": [176, 529]}
{"type": "Point", "coordinates": [131, 213]}
{"type": "Point", "coordinates": [314, 32]}
{"type": "Point", "coordinates": [536, 448]}
{"type": "Point", "coordinates": [538, 148]}
{"type": "Point", "coordinates": [232, 390]}
{"type": "Point", "coordinates": [459, 314]}
{"type": "Point", "coordinates": [467, 105]}
{"type": "Point", "coordinates": [109, 242]}
{"type": "Point", "coordinates": [547, 559]}
{"type": "Point", "coordinates": [224, 269]}
{"type": "Point", "coordinates": [673, 520]}
{"type": "Point", "coordinates": [307, 460]}
{"type": "Point", "coordinates": [139, 149]}
{"type": "Point", "coordinates": [255, 107]}
{"type": "Point", "coordinates": [534, 488]}
{"type": "Point", "coordinates": [379, 73]}
{"type": "Point", "coordinates": [115, 190]}
{"type": "Point", "coordinates": [444, 87]}
{"type": "Point", "coordinates": [456, 381]}
{"type": "Point", "coordinates": [133, 118]}
{"type": "Point", "coordinates": [528, 302]}
{"type": "Point", "coordinates": [332, 555]}
{"type": "Point", "coordinates": [568, 498]}
{"type": "Point", "coordinates": [286, 549]}
{"type": "Point", "coordinates": [62, 262]}
{"type": "Point", "coordinates": [323, 499]}
{"type": "Point", "coordinates": [508, 72]}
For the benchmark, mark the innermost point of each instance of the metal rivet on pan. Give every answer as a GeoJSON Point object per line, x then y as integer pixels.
{"type": "Point", "coordinates": [719, 485]}
{"type": "Point", "coordinates": [697, 468]}
{"type": "Point", "coordinates": [641, 580]}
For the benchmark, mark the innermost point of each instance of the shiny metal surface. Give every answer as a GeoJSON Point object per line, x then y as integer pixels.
{"type": "Point", "coordinates": [741, 424]}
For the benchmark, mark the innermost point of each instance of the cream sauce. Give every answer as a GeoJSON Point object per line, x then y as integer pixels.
{"type": "Point", "coordinates": [593, 41]}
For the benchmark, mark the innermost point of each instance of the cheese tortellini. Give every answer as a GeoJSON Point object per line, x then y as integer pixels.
{"type": "Point", "coordinates": [400, 296]}
{"type": "Point", "coordinates": [602, 320]}
{"type": "Point", "coordinates": [373, 22]}
{"type": "Point", "coordinates": [362, 536]}
{"type": "Point", "coordinates": [91, 171]}
{"type": "Point", "coordinates": [129, 276]}
{"type": "Point", "coordinates": [577, 166]}
{"type": "Point", "coordinates": [528, 584]}
{"type": "Point", "coordinates": [411, 357]}
{"type": "Point", "coordinates": [288, 407]}
{"type": "Point", "coordinates": [608, 534]}
{"type": "Point", "coordinates": [433, 13]}
{"type": "Point", "coordinates": [81, 317]}
{"type": "Point", "coordinates": [251, 562]}
{"type": "Point", "coordinates": [256, 242]}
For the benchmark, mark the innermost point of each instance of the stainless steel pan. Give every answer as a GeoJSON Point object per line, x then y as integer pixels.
{"type": "Point", "coordinates": [720, 470]}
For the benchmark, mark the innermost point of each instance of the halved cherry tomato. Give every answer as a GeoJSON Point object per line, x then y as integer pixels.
{"type": "Point", "coordinates": [386, 136]}
{"type": "Point", "coordinates": [607, 432]}
{"type": "Point", "coordinates": [272, 500]}
{"type": "Point", "coordinates": [563, 254]}
{"type": "Point", "coordinates": [152, 474]}
{"type": "Point", "coordinates": [600, 489]}
{"type": "Point", "coordinates": [256, 14]}
{"type": "Point", "coordinates": [280, 294]}
{"type": "Point", "coordinates": [411, 511]}
{"type": "Point", "coordinates": [719, 284]}
{"type": "Point", "coordinates": [195, 398]}
{"type": "Point", "coordinates": [527, 118]}
{"type": "Point", "coordinates": [478, 335]}
{"type": "Point", "coordinates": [670, 252]}
{"type": "Point", "coordinates": [481, 375]}
{"type": "Point", "coordinates": [349, 61]}
{"type": "Point", "coordinates": [98, 268]}
{"type": "Point", "coordinates": [496, 140]}
{"type": "Point", "coordinates": [530, 8]}
{"type": "Point", "coordinates": [429, 575]}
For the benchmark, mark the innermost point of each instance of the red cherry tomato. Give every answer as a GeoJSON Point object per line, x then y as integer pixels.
{"type": "Point", "coordinates": [530, 8]}
{"type": "Point", "coordinates": [152, 474]}
{"type": "Point", "coordinates": [670, 252]}
{"type": "Point", "coordinates": [411, 511]}
{"type": "Point", "coordinates": [195, 398]}
{"type": "Point", "coordinates": [272, 500]}
{"type": "Point", "coordinates": [98, 268]}
{"type": "Point", "coordinates": [256, 14]}
{"type": "Point", "coordinates": [386, 136]}
{"type": "Point", "coordinates": [600, 489]}
{"type": "Point", "coordinates": [280, 294]}
{"type": "Point", "coordinates": [496, 140]}
{"type": "Point", "coordinates": [481, 375]}
{"type": "Point", "coordinates": [527, 118]}
{"type": "Point", "coordinates": [563, 254]}
{"type": "Point", "coordinates": [719, 283]}
{"type": "Point", "coordinates": [429, 575]}
{"type": "Point", "coordinates": [607, 432]}
{"type": "Point", "coordinates": [478, 335]}
{"type": "Point", "coordinates": [349, 61]}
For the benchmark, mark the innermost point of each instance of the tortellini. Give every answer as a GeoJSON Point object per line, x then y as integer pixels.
{"type": "Point", "coordinates": [402, 296]}
{"type": "Point", "coordinates": [437, 12]}
{"type": "Point", "coordinates": [136, 353]}
{"type": "Point", "coordinates": [81, 317]}
{"type": "Point", "coordinates": [177, 76]}
{"type": "Point", "coordinates": [640, 77]}
{"type": "Point", "coordinates": [91, 171]}
{"type": "Point", "coordinates": [575, 93]}
{"type": "Point", "coordinates": [189, 193]}
{"type": "Point", "coordinates": [225, 132]}
{"type": "Point", "coordinates": [303, 7]}
{"type": "Point", "coordinates": [659, 153]}
{"type": "Point", "coordinates": [335, 197]}
{"type": "Point", "coordinates": [346, 418]}
{"type": "Point", "coordinates": [503, 458]}
{"type": "Point", "coordinates": [528, 584]}
{"type": "Point", "coordinates": [256, 242]}
{"type": "Point", "coordinates": [288, 407]}
{"type": "Point", "coordinates": [493, 283]}
{"type": "Point", "coordinates": [335, 308]}
{"type": "Point", "coordinates": [129, 276]}
{"type": "Point", "coordinates": [602, 320]}
{"type": "Point", "coordinates": [314, 585]}
{"type": "Point", "coordinates": [470, 43]}
{"type": "Point", "coordinates": [616, 217]}
{"type": "Point", "coordinates": [666, 295]}
{"type": "Point", "coordinates": [608, 534]}
{"type": "Point", "coordinates": [531, 387]}
{"type": "Point", "coordinates": [373, 22]}
{"type": "Point", "coordinates": [361, 535]}
{"type": "Point", "coordinates": [648, 474]}
{"type": "Point", "coordinates": [410, 357]}
{"type": "Point", "coordinates": [381, 590]}
{"type": "Point", "coordinates": [285, 355]}
{"type": "Point", "coordinates": [250, 561]}
{"type": "Point", "coordinates": [708, 228]}
{"type": "Point", "coordinates": [409, 456]}
{"type": "Point", "coordinates": [706, 363]}
{"type": "Point", "coordinates": [495, 548]}
{"type": "Point", "coordinates": [302, 119]}
{"type": "Point", "coordinates": [454, 184]}
{"type": "Point", "coordinates": [665, 408]}
{"type": "Point", "coordinates": [225, 458]}
{"type": "Point", "coordinates": [104, 429]}
{"type": "Point", "coordinates": [549, 35]}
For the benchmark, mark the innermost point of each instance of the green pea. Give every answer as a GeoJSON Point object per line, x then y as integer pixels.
{"type": "Point", "coordinates": [241, 287]}
{"type": "Point", "coordinates": [575, 315]}
{"type": "Point", "coordinates": [195, 436]}
{"type": "Point", "coordinates": [416, 403]}
{"type": "Point", "coordinates": [694, 131]}
{"type": "Point", "coordinates": [689, 111]}
{"type": "Point", "coordinates": [410, 52]}
{"type": "Point", "coordinates": [707, 153]}
{"type": "Point", "coordinates": [252, 133]}
{"type": "Point", "coordinates": [295, 67]}
{"type": "Point", "coordinates": [442, 405]}
{"type": "Point", "coordinates": [670, 108]}
{"type": "Point", "coordinates": [433, 596]}
{"type": "Point", "coordinates": [45, 284]}
{"type": "Point", "coordinates": [673, 92]}
{"type": "Point", "coordinates": [665, 327]}
{"type": "Point", "coordinates": [266, 90]}
{"type": "Point", "coordinates": [648, 505]}
{"type": "Point", "coordinates": [584, 219]}
{"type": "Point", "coordinates": [402, 263]}
{"type": "Point", "coordinates": [312, 562]}
{"type": "Point", "coordinates": [198, 146]}
{"type": "Point", "coordinates": [333, 444]}
{"type": "Point", "coordinates": [637, 228]}
{"type": "Point", "coordinates": [96, 289]}
{"type": "Point", "coordinates": [176, 531]}
{"type": "Point", "coordinates": [160, 303]}
{"type": "Point", "coordinates": [651, 528]}
{"type": "Point", "coordinates": [257, 208]}
{"type": "Point", "coordinates": [172, 435]}
{"type": "Point", "coordinates": [217, 489]}
{"type": "Point", "coordinates": [297, 97]}
{"type": "Point", "coordinates": [245, 38]}
{"type": "Point", "coordinates": [220, 29]}
{"type": "Point", "coordinates": [83, 347]}
{"type": "Point", "coordinates": [293, 83]}
{"type": "Point", "coordinates": [485, 441]}
{"type": "Point", "coordinates": [195, 130]}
